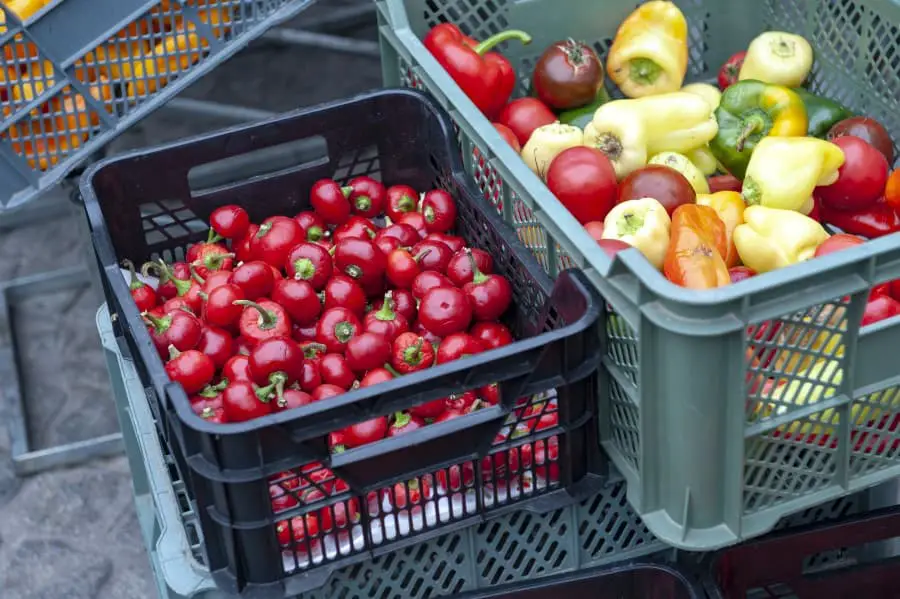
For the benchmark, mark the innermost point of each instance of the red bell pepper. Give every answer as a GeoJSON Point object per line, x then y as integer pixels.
{"type": "Point", "coordinates": [486, 77]}
{"type": "Point", "coordinates": [877, 220]}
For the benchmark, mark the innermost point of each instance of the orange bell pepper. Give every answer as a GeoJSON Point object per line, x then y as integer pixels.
{"type": "Point", "coordinates": [698, 243]}
{"type": "Point", "coordinates": [729, 206]}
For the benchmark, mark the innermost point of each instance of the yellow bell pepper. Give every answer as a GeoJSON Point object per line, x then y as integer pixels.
{"type": "Point", "coordinates": [784, 171]}
{"type": "Point", "coordinates": [708, 92]}
{"type": "Point", "coordinates": [649, 54]}
{"type": "Point", "coordinates": [778, 57]}
{"type": "Point", "coordinates": [703, 158]}
{"type": "Point", "coordinates": [642, 223]}
{"type": "Point", "coordinates": [771, 238]}
{"type": "Point", "coordinates": [629, 131]}
{"type": "Point", "coordinates": [547, 142]}
{"type": "Point", "coordinates": [683, 165]}
{"type": "Point", "coordinates": [729, 206]}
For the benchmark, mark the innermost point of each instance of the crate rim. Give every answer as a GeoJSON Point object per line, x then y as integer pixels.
{"type": "Point", "coordinates": [102, 244]}
{"type": "Point", "coordinates": [627, 263]}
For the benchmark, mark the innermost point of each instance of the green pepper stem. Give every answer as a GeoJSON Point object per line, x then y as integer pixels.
{"type": "Point", "coordinates": [401, 419]}
{"type": "Point", "coordinates": [392, 370]}
{"type": "Point", "coordinates": [135, 282]}
{"type": "Point", "coordinates": [173, 352]}
{"type": "Point", "coordinates": [166, 275]}
{"type": "Point", "coordinates": [749, 129]}
{"type": "Point", "coordinates": [412, 355]}
{"type": "Point", "coordinates": [160, 324]}
{"type": "Point", "coordinates": [311, 350]}
{"type": "Point", "coordinates": [498, 38]}
{"type": "Point", "coordinates": [267, 320]}
{"type": "Point", "coordinates": [213, 237]}
{"type": "Point", "coordinates": [344, 331]}
{"type": "Point", "coordinates": [263, 229]}
{"type": "Point", "coordinates": [196, 276]}
{"type": "Point", "coordinates": [347, 190]}
{"type": "Point", "coordinates": [478, 277]}
{"type": "Point", "coordinates": [387, 308]}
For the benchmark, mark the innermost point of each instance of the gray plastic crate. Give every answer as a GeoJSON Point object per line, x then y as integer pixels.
{"type": "Point", "coordinates": [706, 461]}
{"type": "Point", "coordinates": [77, 73]}
{"type": "Point", "coordinates": [512, 548]}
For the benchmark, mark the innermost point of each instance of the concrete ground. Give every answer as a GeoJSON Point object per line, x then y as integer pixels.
{"type": "Point", "coordinates": [72, 533]}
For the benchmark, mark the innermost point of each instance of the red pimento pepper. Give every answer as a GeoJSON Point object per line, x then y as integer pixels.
{"type": "Point", "coordinates": [728, 74]}
{"type": "Point", "coordinates": [445, 310]}
{"type": "Point", "coordinates": [416, 221]}
{"type": "Point", "coordinates": [454, 242]}
{"type": "Point", "coordinates": [229, 222]}
{"type": "Point", "coordinates": [367, 351]}
{"type": "Point", "coordinates": [275, 238]}
{"type": "Point", "coordinates": [458, 345]}
{"type": "Point", "coordinates": [237, 368]}
{"type": "Point", "coordinates": [400, 200]}
{"type": "Point", "coordinates": [411, 352]}
{"type": "Point", "coordinates": [312, 226]}
{"type": "Point", "coordinates": [431, 409]}
{"type": "Point", "coordinates": [214, 280]}
{"type": "Point", "coordinates": [428, 280]}
{"type": "Point", "coordinates": [176, 328]}
{"type": "Point", "coordinates": [486, 77]}
{"type": "Point", "coordinates": [325, 390]}
{"type": "Point", "coordinates": [367, 196]}
{"type": "Point", "coordinates": [178, 303]}
{"type": "Point", "coordinates": [292, 398]}
{"type": "Point", "coordinates": [336, 328]}
{"type": "Point", "coordinates": [309, 262]}
{"type": "Point", "coordinates": [464, 402]}
{"type": "Point", "coordinates": [404, 423]}
{"type": "Point", "coordinates": [214, 414]}
{"type": "Point", "coordinates": [359, 259]}
{"type": "Point", "coordinates": [310, 377]}
{"type": "Point", "coordinates": [492, 334]}
{"type": "Point", "coordinates": [385, 321]}
{"type": "Point", "coordinates": [439, 210]}
{"type": "Point", "coordinates": [362, 433]}
{"type": "Point", "coordinates": [219, 308]}
{"type": "Point", "coordinates": [335, 370]}
{"type": "Point", "coordinates": [263, 320]}
{"type": "Point", "coordinates": [376, 376]}
{"type": "Point", "coordinates": [243, 252]}
{"type": "Point", "coordinates": [175, 281]}
{"type": "Point", "coordinates": [877, 220]}
{"type": "Point", "coordinates": [404, 233]}
{"type": "Point", "coordinates": [254, 278]}
{"type": "Point", "coordinates": [329, 200]}
{"type": "Point", "coordinates": [343, 292]}
{"type": "Point", "coordinates": [144, 295]}
{"type": "Point", "coordinates": [217, 344]}
{"type": "Point", "coordinates": [434, 255]}
{"type": "Point", "coordinates": [193, 369]}
{"type": "Point", "coordinates": [490, 295]}
{"type": "Point", "coordinates": [277, 362]}
{"type": "Point", "coordinates": [299, 299]}
{"type": "Point", "coordinates": [402, 267]}
{"type": "Point", "coordinates": [242, 401]}
{"type": "Point", "coordinates": [356, 226]}
{"type": "Point", "coordinates": [404, 304]}
{"type": "Point", "coordinates": [211, 257]}
{"type": "Point", "coordinates": [460, 271]}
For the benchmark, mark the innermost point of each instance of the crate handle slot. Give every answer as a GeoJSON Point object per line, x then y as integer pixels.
{"type": "Point", "coordinates": [289, 157]}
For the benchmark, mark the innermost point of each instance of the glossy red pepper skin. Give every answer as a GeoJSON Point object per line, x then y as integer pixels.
{"type": "Point", "coordinates": [263, 320]}
{"type": "Point", "coordinates": [411, 352]}
{"type": "Point", "coordinates": [274, 360]}
{"type": "Point", "coordinates": [486, 77]}
{"type": "Point", "coordinates": [877, 220]}
{"type": "Point", "coordinates": [193, 369]}
{"type": "Point", "coordinates": [217, 344]}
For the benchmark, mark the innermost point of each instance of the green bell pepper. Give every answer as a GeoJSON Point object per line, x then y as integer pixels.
{"type": "Point", "coordinates": [749, 111]}
{"type": "Point", "coordinates": [583, 115]}
{"type": "Point", "coordinates": [822, 113]}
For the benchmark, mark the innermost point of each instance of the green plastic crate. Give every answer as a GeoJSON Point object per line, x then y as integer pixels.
{"type": "Point", "coordinates": [705, 466]}
{"type": "Point", "coordinates": [513, 548]}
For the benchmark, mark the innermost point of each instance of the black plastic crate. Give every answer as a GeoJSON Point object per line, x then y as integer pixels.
{"type": "Point", "coordinates": [631, 581]}
{"type": "Point", "coordinates": [862, 562]}
{"type": "Point", "coordinates": [154, 203]}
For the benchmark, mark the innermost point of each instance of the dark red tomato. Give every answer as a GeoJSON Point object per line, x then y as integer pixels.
{"type": "Point", "coordinates": [336, 328]}
{"type": "Point", "coordinates": [241, 402]}
{"type": "Point", "coordinates": [416, 220]}
{"type": "Point", "coordinates": [368, 351]}
{"type": "Point", "coordinates": [364, 433]}
{"type": "Point", "coordinates": [309, 262]}
{"type": "Point", "coordinates": [299, 300]}
{"type": "Point", "coordinates": [428, 280]}
{"type": "Point", "coordinates": [740, 273]}
{"type": "Point", "coordinates": [508, 136]}
{"type": "Point", "coordinates": [458, 345]}
{"type": "Point", "coordinates": [406, 234]}
{"type": "Point", "coordinates": [861, 179]}
{"type": "Point", "coordinates": [868, 130]}
{"type": "Point", "coordinates": [275, 238]}
{"type": "Point", "coordinates": [367, 196]}
{"type": "Point", "coordinates": [728, 74]}
{"type": "Point", "coordinates": [334, 370]}
{"type": "Point", "coordinates": [567, 75]}
{"type": "Point", "coordinates": [432, 255]}
{"type": "Point", "coordinates": [237, 368]}
{"type": "Point", "coordinates": [439, 209]}
{"type": "Point", "coordinates": [724, 183]}
{"type": "Point", "coordinates": [400, 200]}
{"type": "Point", "coordinates": [243, 250]}
{"type": "Point", "coordinates": [584, 181]}
{"type": "Point", "coordinates": [491, 334]}
{"type": "Point", "coordinates": [215, 343]}
{"type": "Point", "coordinates": [445, 310]}
{"type": "Point", "coordinates": [663, 183]}
{"type": "Point", "coordinates": [231, 221]}
{"type": "Point", "coordinates": [356, 226]}
{"type": "Point", "coordinates": [454, 242]}
{"type": "Point", "coordinates": [459, 269]}
{"type": "Point", "coordinates": [524, 115]}
{"type": "Point", "coordinates": [404, 304]}
{"type": "Point", "coordinates": [325, 391]}
{"type": "Point", "coordinates": [193, 369]}
{"type": "Point", "coordinates": [329, 200]}
{"type": "Point", "coordinates": [376, 376]}
{"type": "Point", "coordinates": [312, 225]}
{"type": "Point", "coordinates": [343, 292]}
{"type": "Point", "coordinates": [254, 278]}
{"type": "Point", "coordinates": [292, 398]}
{"type": "Point", "coordinates": [359, 259]}
{"type": "Point", "coordinates": [220, 309]}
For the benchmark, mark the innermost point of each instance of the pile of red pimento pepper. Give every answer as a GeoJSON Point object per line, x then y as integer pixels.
{"type": "Point", "coordinates": [368, 285]}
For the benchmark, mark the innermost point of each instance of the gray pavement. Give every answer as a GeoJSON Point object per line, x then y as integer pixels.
{"type": "Point", "coordinates": [73, 533]}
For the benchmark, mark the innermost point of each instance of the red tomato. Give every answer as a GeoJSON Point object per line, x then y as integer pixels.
{"type": "Point", "coordinates": [724, 183]}
{"type": "Point", "coordinates": [507, 134]}
{"type": "Point", "coordinates": [861, 179]}
{"type": "Point", "coordinates": [728, 74]}
{"type": "Point", "coordinates": [524, 115]}
{"type": "Point", "coordinates": [584, 180]}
